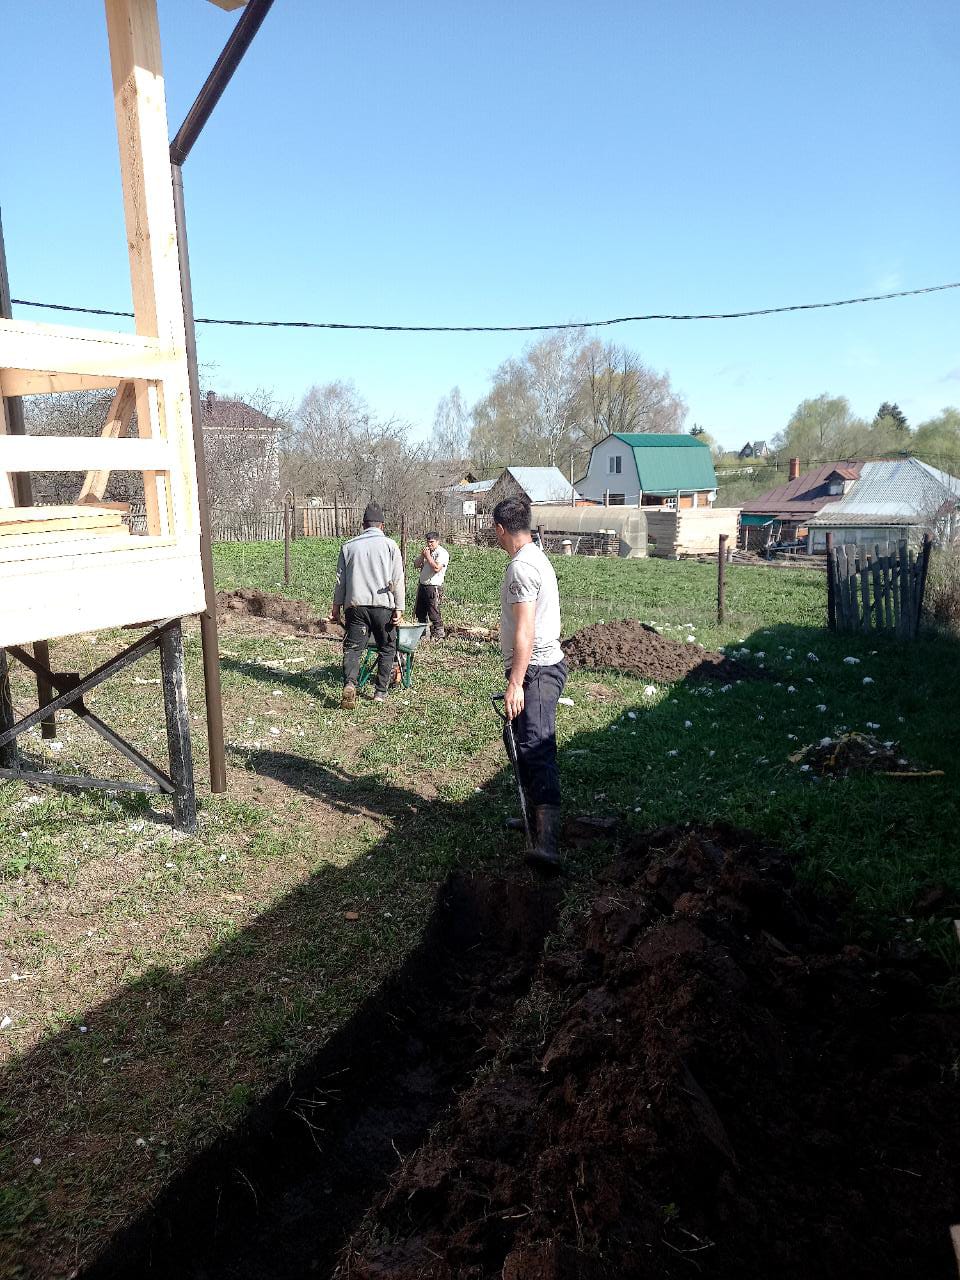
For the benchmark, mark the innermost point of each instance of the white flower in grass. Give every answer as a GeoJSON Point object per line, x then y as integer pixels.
{"type": "Point", "coordinates": [791, 737]}
{"type": "Point", "coordinates": [688, 724]}
{"type": "Point", "coordinates": [631, 715]}
{"type": "Point", "coordinates": [761, 653]}
{"type": "Point", "coordinates": [852, 662]}
{"type": "Point", "coordinates": [791, 688]}
{"type": "Point", "coordinates": [674, 752]}
{"type": "Point", "coordinates": [649, 690]}
{"type": "Point", "coordinates": [725, 688]}
{"type": "Point", "coordinates": [691, 639]}
{"type": "Point", "coordinates": [872, 724]}
{"type": "Point", "coordinates": [868, 679]}
{"type": "Point", "coordinates": [804, 768]}
{"type": "Point", "coordinates": [821, 706]}
{"type": "Point", "coordinates": [812, 657]}
{"type": "Point", "coordinates": [826, 742]}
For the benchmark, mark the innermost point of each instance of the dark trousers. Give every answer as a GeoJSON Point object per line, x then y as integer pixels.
{"type": "Point", "coordinates": [428, 606]}
{"type": "Point", "coordinates": [364, 621]}
{"type": "Point", "coordinates": [535, 733]}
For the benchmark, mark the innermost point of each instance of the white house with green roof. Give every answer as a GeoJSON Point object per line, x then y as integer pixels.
{"type": "Point", "coordinates": [650, 470]}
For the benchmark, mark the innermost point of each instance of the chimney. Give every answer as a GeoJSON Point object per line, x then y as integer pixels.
{"type": "Point", "coordinates": [794, 468]}
{"type": "Point", "coordinates": [211, 400]}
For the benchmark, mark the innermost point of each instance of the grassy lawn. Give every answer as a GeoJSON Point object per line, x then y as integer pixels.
{"type": "Point", "coordinates": [156, 985]}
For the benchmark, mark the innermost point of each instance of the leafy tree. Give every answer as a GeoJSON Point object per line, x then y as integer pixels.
{"type": "Point", "coordinates": [451, 426]}
{"type": "Point", "coordinates": [937, 441]}
{"type": "Point", "coordinates": [822, 430]}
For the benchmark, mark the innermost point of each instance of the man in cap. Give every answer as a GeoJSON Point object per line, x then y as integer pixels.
{"type": "Point", "coordinates": [370, 589]}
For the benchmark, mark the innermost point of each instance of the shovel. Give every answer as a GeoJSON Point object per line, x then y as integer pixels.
{"type": "Point", "coordinates": [511, 745]}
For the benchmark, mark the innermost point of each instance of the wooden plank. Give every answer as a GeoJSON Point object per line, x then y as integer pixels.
{"type": "Point", "coordinates": [877, 580]}
{"type": "Point", "coordinates": [58, 349]}
{"type": "Point", "coordinates": [84, 453]}
{"type": "Point", "coordinates": [91, 590]}
{"type": "Point", "coordinates": [30, 382]}
{"type": "Point", "coordinates": [118, 420]}
{"type": "Point", "coordinates": [911, 579]}
{"type": "Point", "coordinates": [840, 603]}
{"type": "Point", "coordinates": [904, 628]}
{"type": "Point", "coordinates": [863, 576]}
{"type": "Point", "coordinates": [14, 520]}
{"type": "Point", "coordinates": [21, 546]}
{"type": "Point", "coordinates": [8, 497]}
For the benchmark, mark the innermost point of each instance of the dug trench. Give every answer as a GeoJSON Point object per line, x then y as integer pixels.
{"type": "Point", "coordinates": [699, 1076]}
{"type": "Point", "coordinates": [280, 1197]}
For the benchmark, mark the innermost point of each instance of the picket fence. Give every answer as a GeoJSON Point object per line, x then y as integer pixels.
{"type": "Point", "coordinates": [880, 590]}
{"type": "Point", "coordinates": [336, 522]}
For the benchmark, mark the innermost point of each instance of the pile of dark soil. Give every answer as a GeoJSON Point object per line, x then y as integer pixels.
{"type": "Point", "coordinates": [294, 616]}
{"type": "Point", "coordinates": [708, 1083]}
{"type": "Point", "coordinates": [859, 753]}
{"type": "Point", "coordinates": [640, 649]}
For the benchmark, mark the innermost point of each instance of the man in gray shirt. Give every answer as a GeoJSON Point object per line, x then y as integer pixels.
{"type": "Point", "coordinates": [535, 669]}
{"type": "Point", "coordinates": [370, 588]}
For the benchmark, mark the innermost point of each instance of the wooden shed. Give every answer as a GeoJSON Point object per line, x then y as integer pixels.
{"type": "Point", "coordinates": [75, 568]}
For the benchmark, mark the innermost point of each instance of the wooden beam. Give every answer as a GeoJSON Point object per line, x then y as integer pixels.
{"type": "Point", "coordinates": [7, 496]}
{"type": "Point", "coordinates": [30, 382]}
{"type": "Point", "coordinates": [83, 453]}
{"type": "Point", "coordinates": [118, 421]}
{"type": "Point", "coordinates": [152, 238]}
{"type": "Point", "coordinates": [25, 345]}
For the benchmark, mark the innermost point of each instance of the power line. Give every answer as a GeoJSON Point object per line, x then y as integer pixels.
{"type": "Point", "coordinates": [505, 328]}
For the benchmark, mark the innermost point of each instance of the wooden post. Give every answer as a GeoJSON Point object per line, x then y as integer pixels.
{"type": "Point", "coordinates": [403, 540]}
{"type": "Point", "coordinates": [336, 516]}
{"type": "Point", "coordinates": [924, 566]}
{"type": "Point", "coordinates": [722, 578]}
{"type": "Point", "coordinates": [9, 758]}
{"type": "Point", "coordinates": [287, 521]}
{"type": "Point", "coordinates": [540, 536]}
{"type": "Point", "coordinates": [178, 727]}
{"type": "Point", "coordinates": [831, 585]}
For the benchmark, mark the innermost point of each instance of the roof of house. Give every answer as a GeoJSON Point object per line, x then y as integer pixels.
{"type": "Point", "coordinates": [447, 473]}
{"type": "Point", "coordinates": [220, 413]}
{"type": "Point", "coordinates": [901, 491]}
{"type": "Point", "coordinates": [802, 498]}
{"type": "Point", "coordinates": [543, 484]}
{"type": "Point", "coordinates": [668, 462]}
{"type": "Point", "coordinates": [477, 486]}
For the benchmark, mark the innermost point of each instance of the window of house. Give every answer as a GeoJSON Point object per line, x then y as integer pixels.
{"type": "Point", "coordinates": [616, 464]}
{"type": "Point", "coordinates": [615, 499]}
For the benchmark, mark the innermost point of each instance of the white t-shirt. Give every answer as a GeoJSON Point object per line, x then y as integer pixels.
{"type": "Point", "coordinates": [427, 576]}
{"type": "Point", "coordinates": [530, 576]}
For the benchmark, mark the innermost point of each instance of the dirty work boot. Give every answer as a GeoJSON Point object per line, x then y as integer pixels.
{"type": "Point", "coordinates": [379, 697]}
{"type": "Point", "coordinates": [545, 856]}
{"type": "Point", "coordinates": [349, 699]}
{"type": "Point", "coordinates": [439, 634]}
{"type": "Point", "coordinates": [514, 824]}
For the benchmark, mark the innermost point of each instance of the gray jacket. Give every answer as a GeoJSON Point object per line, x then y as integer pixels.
{"type": "Point", "coordinates": [370, 572]}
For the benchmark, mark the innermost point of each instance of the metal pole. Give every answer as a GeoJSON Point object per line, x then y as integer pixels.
{"type": "Point", "coordinates": [722, 579]}
{"type": "Point", "coordinates": [178, 727]}
{"type": "Point", "coordinates": [23, 490]}
{"type": "Point", "coordinates": [208, 619]}
{"type": "Point", "coordinates": [247, 27]}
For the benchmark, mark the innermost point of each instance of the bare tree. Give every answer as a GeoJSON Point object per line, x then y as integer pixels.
{"type": "Point", "coordinates": [622, 394]}
{"type": "Point", "coordinates": [242, 439]}
{"type": "Point", "coordinates": [451, 427]}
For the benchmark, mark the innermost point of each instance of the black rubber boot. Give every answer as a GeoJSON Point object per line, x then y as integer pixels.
{"type": "Point", "coordinates": [545, 855]}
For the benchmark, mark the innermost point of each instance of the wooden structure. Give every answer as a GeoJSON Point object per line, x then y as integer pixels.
{"type": "Point", "coordinates": [877, 591]}
{"type": "Point", "coordinates": [77, 568]}
{"type": "Point", "coordinates": [691, 531]}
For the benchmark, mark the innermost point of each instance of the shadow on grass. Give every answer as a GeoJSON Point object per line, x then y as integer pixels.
{"type": "Point", "coordinates": [177, 1056]}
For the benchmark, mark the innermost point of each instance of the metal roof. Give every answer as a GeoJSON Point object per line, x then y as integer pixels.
{"type": "Point", "coordinates": [476, 486]}
{"type": "Point", "coordinates": [802, 498]}
{"type": "Point", "coordinates": [543, 484]}
{"type": "Point", "coordinates": [667, 462]}
{"type": "Point", "coordinates": [899, 492]}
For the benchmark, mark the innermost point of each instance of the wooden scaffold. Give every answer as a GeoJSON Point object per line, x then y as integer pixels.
{"type": "Point", "coordinates": [71, 569]}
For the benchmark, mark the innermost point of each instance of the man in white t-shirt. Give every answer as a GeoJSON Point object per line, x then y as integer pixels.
{"type": "Point", "coordinates": [432, 563]}
{"type": "Point", "coordinates": [535, 669]}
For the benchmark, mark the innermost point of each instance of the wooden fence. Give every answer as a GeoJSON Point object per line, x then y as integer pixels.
{"type": "Point", "coordinates": [337, 522]}
{"type": "Point", "coordinates": [880, 590]}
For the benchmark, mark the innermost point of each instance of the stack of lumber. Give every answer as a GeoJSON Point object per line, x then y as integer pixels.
{"type": "Point", "coordinates": [691, 531]}
{"type": "Point", "coordinates": [36, 526]}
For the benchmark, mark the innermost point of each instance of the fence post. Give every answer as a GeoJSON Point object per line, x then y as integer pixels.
{"type": "Point", "coordinates": [540, 536]}
{"type": "Point", "coordinates": [924, 565]}
{"type": "Point", "coordinates": [403, 541]}
{"type": "Point", "coordinates": [831, 587]}
{"type": "Point", "coordinates": [287, 521]}
{"type": "Point", "coordinates": [722, 578]}
{"type": "Point", "coordinates": [336, 515]}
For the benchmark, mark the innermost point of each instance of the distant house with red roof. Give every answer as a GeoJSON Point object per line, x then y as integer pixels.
{"type": "Point", "coordinates": [783, 514]}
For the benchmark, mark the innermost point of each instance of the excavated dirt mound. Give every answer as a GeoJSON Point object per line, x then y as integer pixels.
{"type": "Point", "coordinates": [858, 753]}
{"type": "Point", "coordinates": [294, 616]}
{"type": "Point", "coordinates": [640, 649]}
{"type": "Point", "coordinates": [707, 1083]}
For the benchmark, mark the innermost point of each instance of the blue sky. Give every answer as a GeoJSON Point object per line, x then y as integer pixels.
{"type": "Point", "coordinates": [449, 162]}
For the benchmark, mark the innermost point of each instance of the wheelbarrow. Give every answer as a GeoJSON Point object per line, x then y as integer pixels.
{"type": "Point", "coordinates": [409, 636]}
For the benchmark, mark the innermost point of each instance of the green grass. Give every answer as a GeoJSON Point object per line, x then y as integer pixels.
{"type": "Point", "coordinates": [205, 969]}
